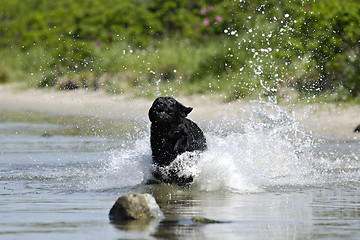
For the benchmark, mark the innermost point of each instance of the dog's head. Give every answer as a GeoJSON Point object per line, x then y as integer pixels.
{"type": "Point", "coordinates": [166, 110]}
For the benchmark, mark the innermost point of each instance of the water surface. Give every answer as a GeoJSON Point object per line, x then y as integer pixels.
{"type": "Point", "coordinates": [267, 180]}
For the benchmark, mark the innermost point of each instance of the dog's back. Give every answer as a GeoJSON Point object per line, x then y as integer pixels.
{"type": "Point", "coordinates": [168, 143]}
{"type": "Point", "coordinates": [196, 136]}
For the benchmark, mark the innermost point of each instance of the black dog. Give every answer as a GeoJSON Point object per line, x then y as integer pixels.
{"type": "Point", "coordinates": [171, 135]}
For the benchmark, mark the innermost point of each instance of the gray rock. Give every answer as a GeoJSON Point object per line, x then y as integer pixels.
{"type": "Point", "coordinates": [135, 207]}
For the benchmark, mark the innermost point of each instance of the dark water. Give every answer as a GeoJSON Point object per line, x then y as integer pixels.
{"type": "Point", "coordinates": [270, 180]}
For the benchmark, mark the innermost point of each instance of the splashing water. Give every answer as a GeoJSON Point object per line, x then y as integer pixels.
{"type": "Point", "coordinates": [125, 168]}
{"type": "Point", "coordinates": [270, 152]}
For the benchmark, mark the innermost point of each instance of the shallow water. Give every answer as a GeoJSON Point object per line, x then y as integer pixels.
{"type": "Point", "coordinates": [267, 180]}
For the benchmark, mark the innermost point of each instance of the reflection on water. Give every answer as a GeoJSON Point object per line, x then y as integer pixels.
{"type": "Point", "coordinates": [65, 185]}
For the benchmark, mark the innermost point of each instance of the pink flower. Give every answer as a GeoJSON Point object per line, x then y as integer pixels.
{"type": "Point", "coordinates": [203, 11]}
{"type": "Point", "coordinates": [196, 26]}
{"type": "Point", "coordinates": [206, 22]}
{"type": "Point", "coordinates": [308, 7]}
{"type": "Point", "coordinates": [218, 19]}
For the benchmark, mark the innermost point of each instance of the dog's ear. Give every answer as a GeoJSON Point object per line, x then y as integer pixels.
{"type": "Point", "coordinates": [184, 111]}
{"type": "Point", "coordinates": [151, 114]}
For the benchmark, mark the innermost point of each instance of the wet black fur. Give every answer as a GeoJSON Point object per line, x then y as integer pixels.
{"type": "Point", "coordinates": [171, 135]}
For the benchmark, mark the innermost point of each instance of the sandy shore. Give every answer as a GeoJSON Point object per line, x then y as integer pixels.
{"type": "Point", "coordinates": [326, 120]}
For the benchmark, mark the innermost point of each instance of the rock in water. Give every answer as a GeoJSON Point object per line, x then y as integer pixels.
{"type": "Point", "coordinates": [357, 129]}
{"type": "Point", "coordinates": [204, 220]}
{"type": "Point", "coordinates": [135, 207]}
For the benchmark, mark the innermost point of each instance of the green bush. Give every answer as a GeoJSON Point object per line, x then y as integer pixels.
{"type": "Point", "coordinates": [236, 48]}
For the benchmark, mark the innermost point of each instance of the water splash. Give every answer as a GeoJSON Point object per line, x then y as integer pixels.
{"type": "Point", "coordinates": [271, 151]}
{"type": "Point", "coordinates": [126, 167]}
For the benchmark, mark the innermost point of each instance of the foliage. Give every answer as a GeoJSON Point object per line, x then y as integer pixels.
{"type": "Point", "coordinates": [239, 48]}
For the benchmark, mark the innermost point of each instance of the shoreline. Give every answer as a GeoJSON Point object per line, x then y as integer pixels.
{"type": "Point", "coordinates": [325, 120]}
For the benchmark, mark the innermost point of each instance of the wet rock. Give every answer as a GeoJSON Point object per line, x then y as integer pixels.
{"type": "Point", "coordinates": [135, 207]}
{"type": "Point", "coordinates": [357, 129]}
{"type": "Point", "coordinates": [204, 220]}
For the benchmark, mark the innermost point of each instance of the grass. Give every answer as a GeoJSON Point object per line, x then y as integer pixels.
{"type": "Point", "coordinates": [225, 67]}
